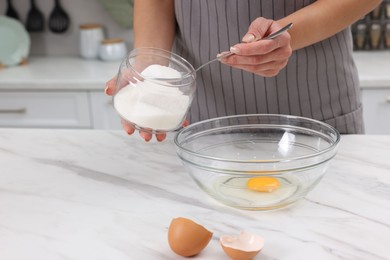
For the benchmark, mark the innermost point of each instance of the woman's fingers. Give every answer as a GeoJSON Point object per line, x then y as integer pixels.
{"type": "Point", "coordinates": [257, 30]}
{"type": "Point", "coordinates": [263, 46]}
{"type": "Point", "coordinates": [161, 136]}
{"type": "Point", "coordinates": [110, 86]}
{"type": "Point", "coordinates": [278, 55]}
{"type": "Point", "coordinates": [147, 136]}
{"type": "Point", "coordinates": [125, 78]}
{"type": "Point", "coordinates": [129, 129]}
{"type": "Point", "coordinates": [186, 123]}
{"type": "Point", "coordinates": [269, 69]}
{"type": "Point", "coordinates": [262, 57]}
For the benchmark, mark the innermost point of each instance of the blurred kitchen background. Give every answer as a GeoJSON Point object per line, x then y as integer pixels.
{"type": "Point", "coordinates": [372, 32]}
{"type": "Point", "coordinates": [60, 84]}
{"type": "Point", "coordinates": [80, 12]}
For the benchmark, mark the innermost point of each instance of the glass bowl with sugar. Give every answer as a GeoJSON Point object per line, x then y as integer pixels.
{"type": "Point", "coordinates": [154, 90]}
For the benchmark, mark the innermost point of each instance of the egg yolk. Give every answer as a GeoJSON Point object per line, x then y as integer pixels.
{"type": "Point", "coordinates": [263, 184]}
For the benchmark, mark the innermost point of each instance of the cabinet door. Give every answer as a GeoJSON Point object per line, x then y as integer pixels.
{"type": "Point", "coordinates": [44, 109]}
{"type": "Point", "coordinates": [376, 110]}
{"type": "Point", "coordinates": [103, 113]}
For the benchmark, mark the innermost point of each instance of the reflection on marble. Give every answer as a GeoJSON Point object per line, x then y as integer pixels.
{"type": "Point", "coordinates": [88, 195]}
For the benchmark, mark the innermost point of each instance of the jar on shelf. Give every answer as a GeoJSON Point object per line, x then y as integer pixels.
{"type": "Point", "coordinates": [360, 35]}
{"type": "Point", "coordinates": [112, 49]}
{"type": "Point", "coordinates": [387, 35]}
{"type": "Point", "coordinates": [387, 10]}
{"type": "Point", "coordinates": [91, 36]}
{"type": "Point", "coordinates": [376, 13]}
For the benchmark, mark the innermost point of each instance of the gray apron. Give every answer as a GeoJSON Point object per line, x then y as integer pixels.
{"type": "Point", "coordinates": [319, 81]}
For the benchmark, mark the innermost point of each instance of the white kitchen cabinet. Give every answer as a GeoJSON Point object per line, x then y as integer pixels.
{"type": "Point", "coordinates": [57, 109]}
{"type": "Point", "coordinates": [103, 113]}
{"type": "Point", "coordinates": [376, 110]}
{"type": "Point", "coordinates": [52, 109]}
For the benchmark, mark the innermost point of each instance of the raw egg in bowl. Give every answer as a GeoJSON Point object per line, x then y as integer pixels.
{"type": "Point", "coordinates": [257, 162]}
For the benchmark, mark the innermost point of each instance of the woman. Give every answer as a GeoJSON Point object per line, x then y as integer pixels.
{"type": "Point", "coordinates": [308, 71]}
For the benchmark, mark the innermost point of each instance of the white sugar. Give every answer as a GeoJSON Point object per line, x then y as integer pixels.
{"type": "Point", "coordinates": [159, 71]}
{"type": "Point", "coordinates": [152, 105]}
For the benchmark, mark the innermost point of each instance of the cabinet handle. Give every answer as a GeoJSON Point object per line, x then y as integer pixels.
{"type": "Point", "coordinates": [388, 99]}
{"type": "Point", "coordinates": [21, 110]}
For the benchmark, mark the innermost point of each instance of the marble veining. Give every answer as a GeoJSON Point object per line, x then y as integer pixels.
{"type": "Point", "coordinates": [89, 194]}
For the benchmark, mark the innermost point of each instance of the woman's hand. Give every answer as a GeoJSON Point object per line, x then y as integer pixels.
{"type": "Point", "coordinates": [146, 134]}
{"type": "Point", "coordinates": [262, 57]}
{"type": "Point", "coordinates": [129, 128]}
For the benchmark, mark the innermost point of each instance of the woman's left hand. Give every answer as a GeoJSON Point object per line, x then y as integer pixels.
{"type": "Point", "coordinates": [262, 57]}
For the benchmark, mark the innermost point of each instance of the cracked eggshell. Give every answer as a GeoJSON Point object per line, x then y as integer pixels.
{"type": "Point", "coordinates": [187, 238]}
{"type": "Point", "coordinates": [245, 246]}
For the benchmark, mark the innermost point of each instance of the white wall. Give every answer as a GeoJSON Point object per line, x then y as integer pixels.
{"type": "Point", "coordinates": [79, 11]}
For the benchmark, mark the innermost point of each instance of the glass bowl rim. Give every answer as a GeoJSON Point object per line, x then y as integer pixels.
{"type": "Point", "coordinates": [179, 58]}
{"type": "Point", "coordinates": [267, 161]}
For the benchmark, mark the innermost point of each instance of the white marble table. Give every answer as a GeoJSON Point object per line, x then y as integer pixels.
{"type": "Point", "coordinates": [94, 195]}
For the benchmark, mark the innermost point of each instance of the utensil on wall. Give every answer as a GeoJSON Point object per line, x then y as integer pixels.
{"type": "Point", "coordinates": [11, 12]}
{"type": "Point", "coordinates": [35, 19]}
{"type": "Point", "coordinates": [59, 20]}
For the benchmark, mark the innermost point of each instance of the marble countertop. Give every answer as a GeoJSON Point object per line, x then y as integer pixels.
{"type": "Point", "coordinates": [58, 73]}
{"type": "Point", "coordinates": [73, 73]}
{"type": "Point", "coordinates": [88, 194]}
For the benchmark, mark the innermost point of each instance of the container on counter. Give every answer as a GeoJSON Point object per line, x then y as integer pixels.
{"type": "Point", "coordinates": [112, 49]}
{"type": "Point", "coordinates": [371, 31]}
{"type": "Point", "coordinates": [91, 36]}
{"type": "Point", "coordinates": [375, 36]}
{"type": "Point", "coordinates": [376, 13]}
{"type": "Point", "coordinates": [387, 10]}
{"type": "Point", "coordinates": [360, 36]}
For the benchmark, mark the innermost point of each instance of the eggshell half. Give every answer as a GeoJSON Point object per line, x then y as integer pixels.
{"type": "Point", "coordinates": [245, 246]}
{"type": "Point", "coordinates": [187, 238]}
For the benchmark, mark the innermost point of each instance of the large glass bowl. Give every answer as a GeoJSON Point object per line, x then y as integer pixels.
{"type": "Point", "coordinates": [291, 153]}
